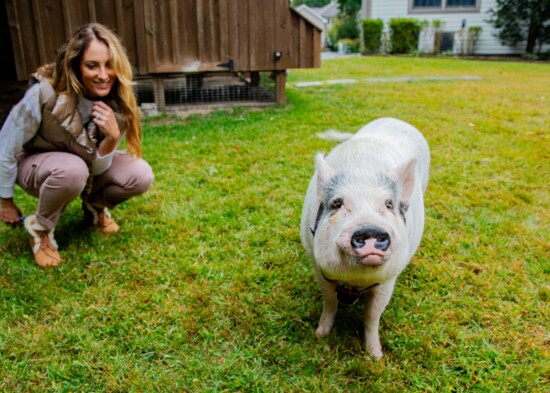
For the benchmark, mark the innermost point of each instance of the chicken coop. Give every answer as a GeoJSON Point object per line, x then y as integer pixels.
{"type": "Point", "coordinates": [184, 52]}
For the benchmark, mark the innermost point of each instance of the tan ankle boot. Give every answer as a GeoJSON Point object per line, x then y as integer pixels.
{"type": "Point", "coordinates": [99, 218]}
{"type": "Point", "coordinates": [43, 244]}
{"type": "Point", "coordinates": [105, 223]}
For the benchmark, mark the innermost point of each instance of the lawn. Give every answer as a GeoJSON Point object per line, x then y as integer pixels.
{"type": "Point", "coordinates": [207, 287]}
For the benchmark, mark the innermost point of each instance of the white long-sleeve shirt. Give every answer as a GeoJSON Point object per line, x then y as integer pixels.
{"type": "Point", "coordinates": [21, 125]}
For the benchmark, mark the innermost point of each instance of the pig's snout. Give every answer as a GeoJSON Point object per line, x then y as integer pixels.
{"type": "Point", "coordinates": [381, 237]}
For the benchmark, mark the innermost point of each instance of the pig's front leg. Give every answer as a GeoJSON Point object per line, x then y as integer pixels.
{"type": "Point", "coordinates": [330, 306]}
{"type": "Point", "coordinates": [375, 303]}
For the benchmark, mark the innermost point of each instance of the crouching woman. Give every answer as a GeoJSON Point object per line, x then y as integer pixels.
{"type": "Point", "coordinates": [60, 141]}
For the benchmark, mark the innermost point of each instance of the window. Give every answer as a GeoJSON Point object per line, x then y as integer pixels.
{"type": "Point", "coordinates": [461, 3]}
{"type": "Point", "coordinates": [444, 5]}
{"type": "Point", "coordinates": [426, 3]}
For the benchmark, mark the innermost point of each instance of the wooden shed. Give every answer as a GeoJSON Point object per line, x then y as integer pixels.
{"type": "Point", "coordinates": [168, 38]}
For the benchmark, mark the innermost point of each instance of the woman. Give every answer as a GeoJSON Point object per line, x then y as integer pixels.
{"type": "Point", "coordinates": [60, 140]}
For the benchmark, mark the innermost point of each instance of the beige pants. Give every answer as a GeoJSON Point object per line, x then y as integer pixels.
{"type": "Point", "coordinates": [57, 178]}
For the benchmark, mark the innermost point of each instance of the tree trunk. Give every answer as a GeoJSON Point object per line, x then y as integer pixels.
{"type": "Point", "coordinates": [531, 38]}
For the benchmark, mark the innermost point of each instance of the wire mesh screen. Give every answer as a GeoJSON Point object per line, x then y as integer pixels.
{"type": "Point", "coordinates": [209, 89]}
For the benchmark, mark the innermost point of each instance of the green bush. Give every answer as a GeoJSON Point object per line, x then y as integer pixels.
{"type": "Point", "coordinates": [343, 29]}
{"type": "Point", "coordinates": [404, 35]}
{"type": "Point", "coordinates": [347, 28]}
{"type": "Point", "coordinates": [372, 35]}
{"type": "Point", "coordinates": [332, 38]}
{"type": "Point", "coordinates": [350, 45]}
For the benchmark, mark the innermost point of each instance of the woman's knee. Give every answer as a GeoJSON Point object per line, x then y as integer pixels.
{"type": "Point", "coordinates": [143, 176]}
{"type": "Point", "coordinates": [134, 175]}
{"type": "Point", "coordinates": [72, 175]}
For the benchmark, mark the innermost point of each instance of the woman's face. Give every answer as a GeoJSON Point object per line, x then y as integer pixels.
{"type": "Point", "coordinates": [96, 73]}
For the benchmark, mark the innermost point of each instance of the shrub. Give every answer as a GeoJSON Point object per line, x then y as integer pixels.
{"type": "Point", "coordinates": [347, 28]}
{"type": "Point", "coordinates": [474, 32]}
{"type": "Point", "coordinates": [348, 45]}
{"type": "Point", "coordinates": [372, 35]}
{"type": "Point", "coordinates": [332, 39]}
{"type": "Point", "coordinates": [404, 35]}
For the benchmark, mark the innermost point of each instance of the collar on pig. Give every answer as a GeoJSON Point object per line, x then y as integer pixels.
{"type": "Point", "coordinates": [351, 295]}
{"type": "Point", "coordinates": [347, 295]}
{"type": "Point", "coordinates": [317, 219]}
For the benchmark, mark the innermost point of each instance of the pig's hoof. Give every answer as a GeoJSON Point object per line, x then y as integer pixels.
{"type": "Point", "coordinates": [322, 331]}
{"type": "Point", "coordinates": [376, 354]}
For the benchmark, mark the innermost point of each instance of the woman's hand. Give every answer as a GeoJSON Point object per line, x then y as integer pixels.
{"type": "Point", "coordinates": [9, 212]}
{"type": "Point", "coordinates": [105, 119]}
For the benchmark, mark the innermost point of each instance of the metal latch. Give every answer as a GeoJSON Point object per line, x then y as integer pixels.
{"type": "Point", "coordinates": [229, 65]}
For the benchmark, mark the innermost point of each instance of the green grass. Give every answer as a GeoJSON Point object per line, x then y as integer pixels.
{"type": "Point", "coordinates": [207, 287]}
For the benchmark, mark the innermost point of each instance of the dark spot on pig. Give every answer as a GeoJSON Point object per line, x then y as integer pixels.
{"type": "Point", "coordinates": [388, 183]}
{"type": "Point", "coordinates": [332, 186]}
{"type": "Point", "coordinates": [403, 207]}
{"type": "Point", "coordinates": [317, 219]}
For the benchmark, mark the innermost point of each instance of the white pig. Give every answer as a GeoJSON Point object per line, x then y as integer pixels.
{"type": "Point", "coordinates": [363, 218]}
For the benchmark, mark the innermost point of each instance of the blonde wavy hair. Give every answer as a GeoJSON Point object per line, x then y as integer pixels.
{"type": "Point", "coordinates": [64, 75]}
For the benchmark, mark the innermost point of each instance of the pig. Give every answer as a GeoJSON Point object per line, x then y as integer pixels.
{"type": "Point", "coordinates": [363, 218]}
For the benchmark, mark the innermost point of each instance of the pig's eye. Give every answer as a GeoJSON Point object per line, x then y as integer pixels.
{"type": "Point", "coordinates": [336, 204]}
{"type": "Point", "coordinates": [389, 204]}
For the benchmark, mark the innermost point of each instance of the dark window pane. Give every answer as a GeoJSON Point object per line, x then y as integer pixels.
{"type": "Point", "coordinates": [427, 3]}
{"type": "Point", "coordinates": [461, 3]}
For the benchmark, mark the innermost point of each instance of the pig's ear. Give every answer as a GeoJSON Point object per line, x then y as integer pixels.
{"type": "Point", "coordinates": [324, 173]}
{"type": "Point", "coordinates": [406, 176]}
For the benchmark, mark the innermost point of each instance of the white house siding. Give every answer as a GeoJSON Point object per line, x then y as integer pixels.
{"type": "Point", "coordinates": [486, 45]}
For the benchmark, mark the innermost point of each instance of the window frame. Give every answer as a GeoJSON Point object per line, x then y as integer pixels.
{"type": "Point", "coordinates": [444, 9]}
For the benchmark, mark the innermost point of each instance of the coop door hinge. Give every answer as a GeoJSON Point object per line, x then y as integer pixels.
{"type": "Point", "coordinates": [229, 65]}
